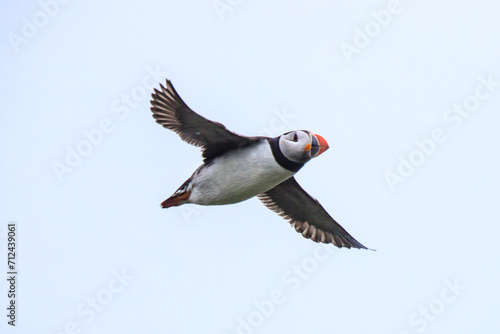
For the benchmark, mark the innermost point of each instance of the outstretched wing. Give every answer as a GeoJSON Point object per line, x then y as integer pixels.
{"type": "Point", "coordinates": [306, 215]}
{"type": "Point", "coordinates": [172, 113]}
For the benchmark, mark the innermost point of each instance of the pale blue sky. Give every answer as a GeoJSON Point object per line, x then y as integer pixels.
{"type": "Point", "coordinates": [96, 252]}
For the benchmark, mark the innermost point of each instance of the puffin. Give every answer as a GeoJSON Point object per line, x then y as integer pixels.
{"type": "Point", "coordinates": [236, 168]}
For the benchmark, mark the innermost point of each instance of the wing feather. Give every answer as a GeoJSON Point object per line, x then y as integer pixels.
{"type": "Point", "coordinates": [172, 113]}
{"type": "Point", "coordinates": [306, 215]}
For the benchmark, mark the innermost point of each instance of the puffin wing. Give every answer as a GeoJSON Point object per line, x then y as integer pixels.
{"type": "Point", "coordinates": [172, 113]}
{"type": "Point", "coordinates": [306, 215]}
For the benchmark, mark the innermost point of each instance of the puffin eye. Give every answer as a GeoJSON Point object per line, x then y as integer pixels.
{"type": "Point", "coordinates": [295, 137]}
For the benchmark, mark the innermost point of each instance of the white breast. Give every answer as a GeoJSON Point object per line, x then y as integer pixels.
{"type": "Point", "coordinates": [238, 175]}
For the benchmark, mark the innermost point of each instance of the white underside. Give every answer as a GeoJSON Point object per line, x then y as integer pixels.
{"type": "Point", "coordinates": [237, 176]}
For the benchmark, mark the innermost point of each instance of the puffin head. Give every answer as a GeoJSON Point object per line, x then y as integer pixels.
{"type": "Point", "coordinates": [301, 146]}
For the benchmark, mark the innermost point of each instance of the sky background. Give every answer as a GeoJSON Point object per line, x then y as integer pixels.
{"type": "Point", "coordinates": [97, 254]}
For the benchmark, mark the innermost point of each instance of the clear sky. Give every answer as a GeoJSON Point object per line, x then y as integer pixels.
{"type": "Point", "coordinates": [407, 93]}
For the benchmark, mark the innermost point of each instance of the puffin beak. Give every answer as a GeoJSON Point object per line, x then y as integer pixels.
{"type": "Point", "coordinates": [319, 145]}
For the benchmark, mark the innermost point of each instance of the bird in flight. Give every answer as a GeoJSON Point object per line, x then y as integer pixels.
{"type": "Point", "coordinates": [236, 168]}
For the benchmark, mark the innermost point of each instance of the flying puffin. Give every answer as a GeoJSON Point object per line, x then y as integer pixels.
{"type": "Point", "coordinates": [236, 168]}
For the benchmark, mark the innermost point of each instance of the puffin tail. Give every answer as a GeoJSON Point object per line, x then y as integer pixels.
{"type": "Point", "coordinates": [176, 199]}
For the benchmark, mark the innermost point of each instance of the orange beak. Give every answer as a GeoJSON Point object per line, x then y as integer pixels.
{"type": "Point", "coordinates": [319, 145]}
